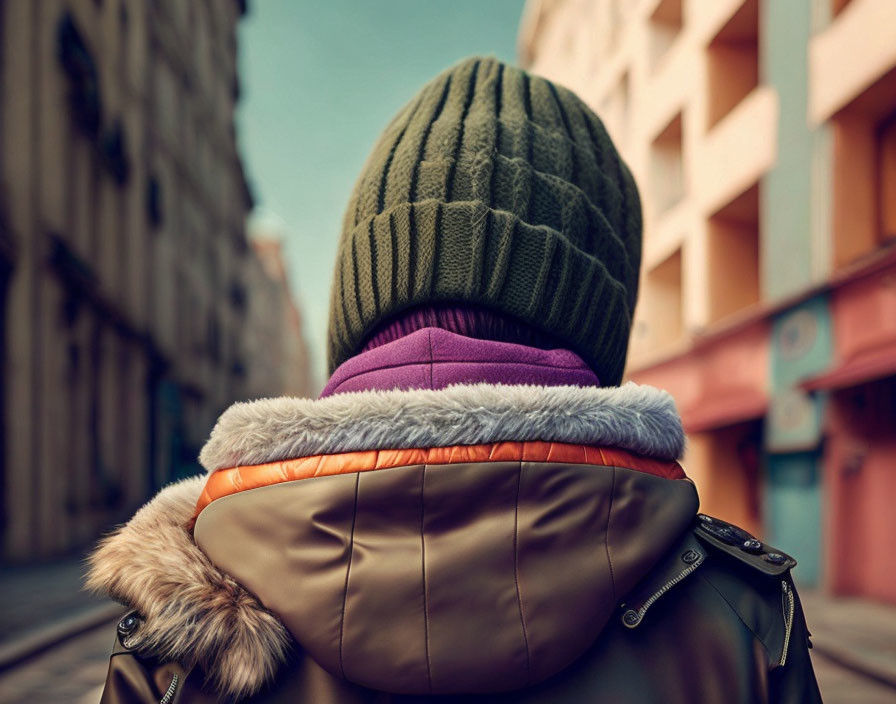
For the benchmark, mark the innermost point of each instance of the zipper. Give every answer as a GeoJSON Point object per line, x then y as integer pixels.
{"type": "Point", "coordinates": [639, 614]}
{"type": "Point", "coordinates": [172, 689]}
{"type": "Point", "coordinates": [787, 604]}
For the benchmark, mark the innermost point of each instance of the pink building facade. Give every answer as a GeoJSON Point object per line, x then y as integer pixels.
{"type": "Point", "coordinates": [763, 137]}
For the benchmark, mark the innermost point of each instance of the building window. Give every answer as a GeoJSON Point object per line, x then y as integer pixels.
{"type": "Point", "coordinates": [864, 172]}
{"type": "Point", "coordinates": [113, 147]}
{"type": "Point", "coordinates": [734, 255]}
{"type": "Point", "coordinates": [733, 62]}
{"type": "Point", "coordinates": [663, 303]}
{"type": "Point", "coordinates": [154, 202]}
{"type": "Point", "coordinates": [666, 178]}
{"type": "Point", "coordinates": [238, 297]}
{"type": "Point", "coordinates": [83, 77]}
{"type": "Point", "coordinates": [886, 179]}
{"type": "Point", "coordinates": [665, 27]}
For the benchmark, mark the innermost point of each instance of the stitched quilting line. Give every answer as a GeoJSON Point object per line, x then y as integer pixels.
{"type": "Point", "coordinates": [516, 573]}
{"type": "Point", "coordinates": [423, 561]}
{"type": "Point", "coordinates": [739, 617]}
{"type": "Point", "coordinates": [607, 535]}
{"type": "Point", "coordinates": [348, 569]}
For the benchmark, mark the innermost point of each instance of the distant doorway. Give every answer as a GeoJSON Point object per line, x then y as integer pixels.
{"type": "Point", "coordinates": [793, 510]}
{"type": "Point", "coordinates": [861, 463]}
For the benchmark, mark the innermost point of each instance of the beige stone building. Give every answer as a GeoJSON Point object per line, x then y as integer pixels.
{"type": "Point", "coordinates": [762, 134]}
{"type": "Point", "coordinates": [123, 256]}
{"type": "Point", "coordinates": [275, 341]}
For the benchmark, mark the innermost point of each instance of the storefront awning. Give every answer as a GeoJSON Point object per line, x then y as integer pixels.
{"type": "Point", "coordinates": [865, 366]}
{"type": "Point", "coordinates": [723, 409]}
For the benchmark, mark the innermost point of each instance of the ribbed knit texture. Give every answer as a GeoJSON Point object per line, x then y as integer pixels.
{"type": "Point", "coordinates": [500, 189]}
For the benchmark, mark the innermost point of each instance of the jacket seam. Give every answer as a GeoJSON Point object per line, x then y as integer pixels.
{"type": "Point", "coordinates": [607, 534]}
{"type": "Point", "coordinates": [740, 618]}
{"type": "Point", "coordinates": [423, 582]}
{"type": "Point", "coordinates": [431, 356]}
{"type": "Point", "coordinates": [348, 569]}
{"type": "Point", "coordinates": [516, 573]}
{"type": "Point", "coordinates": [465, 361]}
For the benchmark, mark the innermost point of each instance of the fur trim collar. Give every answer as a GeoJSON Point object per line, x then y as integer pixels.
{"type": "Point", "coordinates": [192, 612]}
{"type": "Point", "coordinates": [641, 419]}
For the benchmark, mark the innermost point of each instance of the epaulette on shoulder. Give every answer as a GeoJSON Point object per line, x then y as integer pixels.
{"type": "Point", "coordinates": [738, 543]}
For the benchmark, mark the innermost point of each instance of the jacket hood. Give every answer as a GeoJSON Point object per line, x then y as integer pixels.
{"type": "Point", "coordinates": [484, 572]}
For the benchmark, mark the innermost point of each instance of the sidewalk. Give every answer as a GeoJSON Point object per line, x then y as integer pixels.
{"type": "Point", "coordinates": [857, 634]}
{"type": "Point", "coordinates": [42, 605]}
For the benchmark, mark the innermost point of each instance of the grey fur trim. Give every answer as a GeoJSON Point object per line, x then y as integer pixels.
{"type": "Point", "coordinates": [192, 612]}
{"type": "Point", "coordinates": [642, 419]}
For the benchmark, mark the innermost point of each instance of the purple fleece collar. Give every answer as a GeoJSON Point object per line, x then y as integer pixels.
{"type": "Point", "coordinates": [433, 358]}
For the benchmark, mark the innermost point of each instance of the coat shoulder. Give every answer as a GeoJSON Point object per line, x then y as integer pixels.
{"type": "Point", "coordinates": [723, 589]}
{"type": "Point", "coordinates": [754, 579]}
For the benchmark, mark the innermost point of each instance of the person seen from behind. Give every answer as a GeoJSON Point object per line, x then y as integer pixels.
{"type": "Point", "coordinates": [474, 510]}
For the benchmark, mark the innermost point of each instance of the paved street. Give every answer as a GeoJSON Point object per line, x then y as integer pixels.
{"type": "Point", "coordinates": [74, 672]}
{"type": "Point", "coordinates": [842, 686]}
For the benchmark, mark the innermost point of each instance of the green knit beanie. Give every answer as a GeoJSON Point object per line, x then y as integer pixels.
{"type": "Point", "coordinates": [500, 189]}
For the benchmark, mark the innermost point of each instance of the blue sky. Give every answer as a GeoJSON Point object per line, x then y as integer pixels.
{"type": "Point", "coordinates": [319, 81]}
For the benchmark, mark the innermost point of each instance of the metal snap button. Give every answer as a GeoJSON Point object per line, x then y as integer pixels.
{"type": "Point", "coordinates": [630, 618]}
{"type": "Point", "coordinates": [128, 625]}
{"type": "Point", "coordinates": [751, 545]}
{"type": "Point", "coordinates": [775, 558]}
{"type": "Point", "coordinates": [690, 557]}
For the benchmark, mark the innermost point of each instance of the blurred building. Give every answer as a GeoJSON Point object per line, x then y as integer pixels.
{"type": "Point", "coordinates": [763, 137]}
{"type": "Point", "coordinates": [123, 256]}
{"type": "Point", "coordinates": [275, 344]}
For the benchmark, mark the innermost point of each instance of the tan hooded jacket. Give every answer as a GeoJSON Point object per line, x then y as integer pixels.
{"type": "Point", "coordinates": [476, 543]}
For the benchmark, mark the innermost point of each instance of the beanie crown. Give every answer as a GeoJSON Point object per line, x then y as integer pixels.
{"type": "Point", "coordinates": [495, 188]}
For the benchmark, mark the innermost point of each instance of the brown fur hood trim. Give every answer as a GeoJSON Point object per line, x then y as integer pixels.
{"type": "Point", "coordinates": [193, 613]}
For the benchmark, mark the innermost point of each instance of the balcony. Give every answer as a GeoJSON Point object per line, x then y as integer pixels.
{"type": "Point", "coordinates": [734, 255]}
{"type": "Point", "coordinates": [864, 173]}
{"type": "Point", "coordinates": [662, 301]}
{"type": "Point", "coordinates": [665, 27]}
{"type": "Point", "coordinates": [676, 78]}
{"type": "Point", "coordinates": [738, 151]}
{"type": "Point", "coordinates": [733, 62]}
{"type": "Point", "coordinates": [856, 33]}
{"type": "Point", "coordinates": [666, 233]}
{"type": "Point", "coordinates": [666, 179]}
